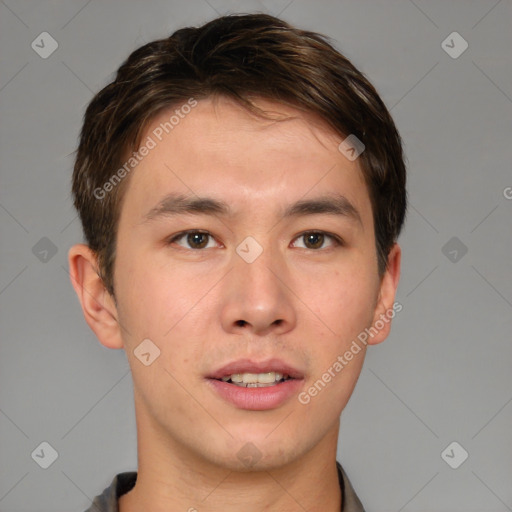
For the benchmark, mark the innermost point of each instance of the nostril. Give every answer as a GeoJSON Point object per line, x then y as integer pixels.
{"type": "Point", "coordinates": [240, 323]}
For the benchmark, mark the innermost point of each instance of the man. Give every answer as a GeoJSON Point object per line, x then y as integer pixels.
{"type": "Point", "coordinates": [241, 187]}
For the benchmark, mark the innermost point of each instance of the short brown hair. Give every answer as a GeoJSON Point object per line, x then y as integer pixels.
{"type": "Point", "coordinates": [241, 57]}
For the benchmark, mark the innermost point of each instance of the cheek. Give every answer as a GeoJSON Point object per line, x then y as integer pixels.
{"type": "Point", "coordinates": [343, 300]}
{"type": "Point", "coordinates": [165, 308]}
{"type": "Point", "coordinates": [145, 295]}
{"type": "Point", "coordinates": [344, 304]}
{"type": "Point", "coordinates": [161, 301]}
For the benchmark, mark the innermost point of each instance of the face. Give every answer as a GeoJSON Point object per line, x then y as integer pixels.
{"type": "Point", "coordinates": [245, 249]}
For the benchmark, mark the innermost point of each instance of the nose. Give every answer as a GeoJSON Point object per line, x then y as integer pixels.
{"type": "Point", "coordinates": [256, 297]}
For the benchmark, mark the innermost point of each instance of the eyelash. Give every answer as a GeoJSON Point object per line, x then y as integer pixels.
{"type": "Point", "coordinates": [337, 241]}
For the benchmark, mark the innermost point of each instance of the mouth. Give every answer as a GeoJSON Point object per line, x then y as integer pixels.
{"type": "Point", "coordinates": [256, 380]}
{"type": "Point", "coordinates": [256, 386]}
{"type": "Point", "coordinates": [251, 374]}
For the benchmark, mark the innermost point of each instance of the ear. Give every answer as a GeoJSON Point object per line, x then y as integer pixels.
{"type": "Point", "coordinates": [386, 309]}
{"type": "Point", "coordinates": [98, 305]}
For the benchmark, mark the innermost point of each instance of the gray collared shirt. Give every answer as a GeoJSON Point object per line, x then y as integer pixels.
{"type": "Point", "coordinates": [124, 482]}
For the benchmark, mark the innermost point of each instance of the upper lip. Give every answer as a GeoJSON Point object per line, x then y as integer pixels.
{"type": "Point", "coordinates": [249, 366]}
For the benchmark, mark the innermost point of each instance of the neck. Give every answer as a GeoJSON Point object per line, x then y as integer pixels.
{"type": "Point", "coordinates": [171, 478]}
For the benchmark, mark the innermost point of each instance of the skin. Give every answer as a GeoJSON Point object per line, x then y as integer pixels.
{"type": "Point", "coordinates": [302, 304]}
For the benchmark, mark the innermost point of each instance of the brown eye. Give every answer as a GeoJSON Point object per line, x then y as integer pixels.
{"type": "Point", "coordinates": [317, 240]}
{"type": "Point", "coordinates": [193, 240]}
{"type": "Point", "coordinates": [313, 240]}
{"type": "Point", "coordinates": [197, 240]}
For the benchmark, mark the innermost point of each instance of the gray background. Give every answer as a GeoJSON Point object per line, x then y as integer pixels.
{"type": "Point", "coordinates": [444, 373]}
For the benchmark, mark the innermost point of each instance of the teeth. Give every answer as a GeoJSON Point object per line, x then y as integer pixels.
{"type": "Point", "coordinates": [252, 380]}
{"type": "Point", "coordinates": [262, 378]}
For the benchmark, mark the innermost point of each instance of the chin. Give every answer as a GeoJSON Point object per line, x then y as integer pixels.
{"type": "Point", "coordinates": [258, 452]}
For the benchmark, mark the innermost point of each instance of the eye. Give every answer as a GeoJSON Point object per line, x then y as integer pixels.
{"type": "Point", "coordinates": [194, 239]}
{"type": "Point", "coordinates": [316, 239]}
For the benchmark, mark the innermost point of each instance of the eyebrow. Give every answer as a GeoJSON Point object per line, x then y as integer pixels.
{"type": "Point", "coordinates": [176, 204]}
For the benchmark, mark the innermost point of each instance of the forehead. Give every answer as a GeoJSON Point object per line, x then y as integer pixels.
{"type": "Point", "coordinates": [217, 148]}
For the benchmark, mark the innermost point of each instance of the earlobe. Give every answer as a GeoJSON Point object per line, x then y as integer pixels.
{"type": "Point", "coordinates": [385, 309]}
{"type": "Point", "coordinates": [97, 304]}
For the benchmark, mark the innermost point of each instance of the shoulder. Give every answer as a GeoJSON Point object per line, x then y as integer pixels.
{"type": "Point", "coordinates": [107, 500]}
{"type": "Point", "coordinates": [350, 500]}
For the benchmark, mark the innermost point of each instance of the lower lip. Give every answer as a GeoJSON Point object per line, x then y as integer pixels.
{"type": "Point", "coordinates": [257, 399]}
